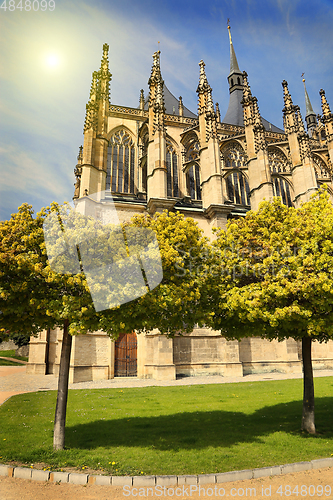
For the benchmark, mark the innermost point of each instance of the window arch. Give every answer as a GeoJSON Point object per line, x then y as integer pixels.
{"type": "Point", "coordinates": [233, 156]}
{"type": "Point", "coordinates": [238, 188]}
{"type": "Point", "coordinates": [192, 151]}
{"type": "Point", "coordinates": [321, 169]}
{"type": "Point", "coordinates": [172, 171]}
{"type": "Point", "coordinates": [193, 182]}
{"type": "Point", "coordinates": [120, 163]}
{"type": "Point", "coordinates": [281, 188]}
{"type": "Point", "coordinates": [278, 162]}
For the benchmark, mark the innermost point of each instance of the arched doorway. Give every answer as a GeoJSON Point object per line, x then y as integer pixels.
{"type": "Point", "coordinates": [125, 364]}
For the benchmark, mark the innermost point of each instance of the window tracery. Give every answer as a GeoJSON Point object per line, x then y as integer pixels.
{"type": "Point", "coordinates": [238, 188]}
{"type": "Point", "coordinates": [281, 188]}
{"type": "Point", "coordinates": [193, 182]}
{"type": "Point", "coordinates": [233, 156]}
{"type": "Point", "coordinates": [321, 168]}
{"type": "Point", "coordinates": [172, 171]}
{"type": "Point", "coordinates": [120, 163]}
{"type": "Point", "coordinates": [192, 152]}
{"type": "Point", "coordinates": [278, 162]}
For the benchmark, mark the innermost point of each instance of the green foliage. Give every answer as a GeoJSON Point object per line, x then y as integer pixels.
{"type": "Point", "coordinates": [10, 353]}
{"type": "Point", "coordinates": [275, 269]}
{"type": "Point", "coordinates": [170, 430]}
{"type": "Point", "coordinates": [32, 296]}
{"type": "Point", "coordinates": [19, 339]}
{"type": "Point", "coordinates": [173, 305]}
{"type": "Point", "coordinates": [36, 294]}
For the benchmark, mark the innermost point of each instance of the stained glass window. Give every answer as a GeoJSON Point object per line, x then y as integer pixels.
{"type": "Point", "coordinates": [120, 163]}
{"type": "Point", "coordinates": [238, 188]}
{"type": "Point", "coordinates": [172, 171]}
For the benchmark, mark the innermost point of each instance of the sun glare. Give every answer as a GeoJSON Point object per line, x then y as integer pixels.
{"type": "Point", "coordinates": [52, 60]}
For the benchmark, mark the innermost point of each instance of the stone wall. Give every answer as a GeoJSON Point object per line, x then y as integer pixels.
{"type": "Point", "coordinates": [7, 346]}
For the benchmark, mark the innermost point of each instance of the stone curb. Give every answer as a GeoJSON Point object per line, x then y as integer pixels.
{"type": "Point", "coordinates": [77, 478]}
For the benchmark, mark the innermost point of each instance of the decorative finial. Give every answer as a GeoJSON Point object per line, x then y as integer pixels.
{"type": "Point", "coordinates": [217, 110]}
{"type": "Point", "coordinates": [180, 106]}
{"type": "Point", "coordinates": [142, 99]}
{"type": "Point", "coordinates": [308, 105]}
{"type": "Point", "coordinates": [80, 155]}
{"type": "Point", "coordinates": [327, 115]}
{"type": "Point", "coordinates": [228, 23]}
{"type": "Point", "coordinates": [246, 88]}
{"type": "Point", "coordinates": [288, 102]}
{"type": "Point", "coordinates": [203, 83]}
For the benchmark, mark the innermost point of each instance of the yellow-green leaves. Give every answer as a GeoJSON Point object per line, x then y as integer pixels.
{"type": "Point", "coordinates": [276, 272]}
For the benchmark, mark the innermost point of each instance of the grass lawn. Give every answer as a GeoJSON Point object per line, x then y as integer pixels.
{"type": "Point", "coordinates": [170, 430]}
{"type": "Point", "coordinates": [7, 362]}
{"type": "Point", "coordinates": [11, 354]}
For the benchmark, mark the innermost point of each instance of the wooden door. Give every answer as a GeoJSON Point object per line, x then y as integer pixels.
{"type": "Point", "coordinates": [126, 355]}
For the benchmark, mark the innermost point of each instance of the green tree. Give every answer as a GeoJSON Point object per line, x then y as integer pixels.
{"type": "Point", "coordinates": [39, 290]}
{"type": "Point", "coordinates": [271, 276]}
{"type": "Point", "coordinates": [33, 297]}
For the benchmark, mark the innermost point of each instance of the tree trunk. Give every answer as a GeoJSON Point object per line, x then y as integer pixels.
{"type": "Point", "coordinates": [60, 413]}
{"type": "Point", "coordinates": [308, 415]}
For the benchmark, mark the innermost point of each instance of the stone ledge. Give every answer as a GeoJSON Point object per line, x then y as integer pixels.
{"type": "Point", "coordinates": [267, 471]}
{"type": "Point", "coordinates": [78, 478]}
{"type": "Point", "coordinates": [22, 472]}
{"type": "Point", "coordinates": [171, 480]}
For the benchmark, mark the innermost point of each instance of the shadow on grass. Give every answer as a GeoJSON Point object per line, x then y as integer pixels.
{"type": "Point", "coordinates": [198, 430]}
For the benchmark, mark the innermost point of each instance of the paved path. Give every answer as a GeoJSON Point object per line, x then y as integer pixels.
{"type": "Point", "coordinates": [14, 380]}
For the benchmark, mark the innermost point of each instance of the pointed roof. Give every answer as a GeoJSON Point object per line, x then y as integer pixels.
{"type": "Point", "coordinates": [234, 68]}
{"type": "Point", "coordinates": [172, 104]}
{"type": "Point", "coordinates": [308, 106]}
{"type": "Point", "coordinates": [234, 114]}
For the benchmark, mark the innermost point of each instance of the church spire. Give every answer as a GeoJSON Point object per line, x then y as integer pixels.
{"type": "Point", "coordinates": [310, 116]}
{"type": "Point", "coordinates": [235, 77]}
{"type": "Point", "coordinates": [234, 113]}
{"type": "Point", "coordinates": [233, 59]}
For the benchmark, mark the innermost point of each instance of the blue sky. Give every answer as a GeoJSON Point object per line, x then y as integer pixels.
{"type": "Point", "coordinates": [42, 107]}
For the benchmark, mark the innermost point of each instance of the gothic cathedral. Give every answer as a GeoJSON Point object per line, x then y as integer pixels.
{"type": "Point", "coordinates": [160, 156]}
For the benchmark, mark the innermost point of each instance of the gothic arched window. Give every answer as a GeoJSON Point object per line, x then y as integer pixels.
{"type": "Point", "coordinates": [192, 151]}
{"type": "Point", "coordinates": [321, 169]}
{"type": "Point", "coordinates": [238, 188]}
{"type": "Point", "coordinates": [172, 171]}
{"type": "Point", "coordinates": [120, 163]}
{"type": "Point", "coordinates": [281, 188]}
{"type": "Point", "coordinates": [233, 156]}
{"type": "Point", "coordinates": [193, 182]}
{"type": "Point", "coordinates": [278, 162]}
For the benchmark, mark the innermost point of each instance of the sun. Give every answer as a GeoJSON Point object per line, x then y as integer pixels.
{"type": "Point", "coordinates": [52, 60]}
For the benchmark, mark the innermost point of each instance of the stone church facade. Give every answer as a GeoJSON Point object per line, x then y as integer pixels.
{"type": "Point", "coordinates": [160, 156]}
